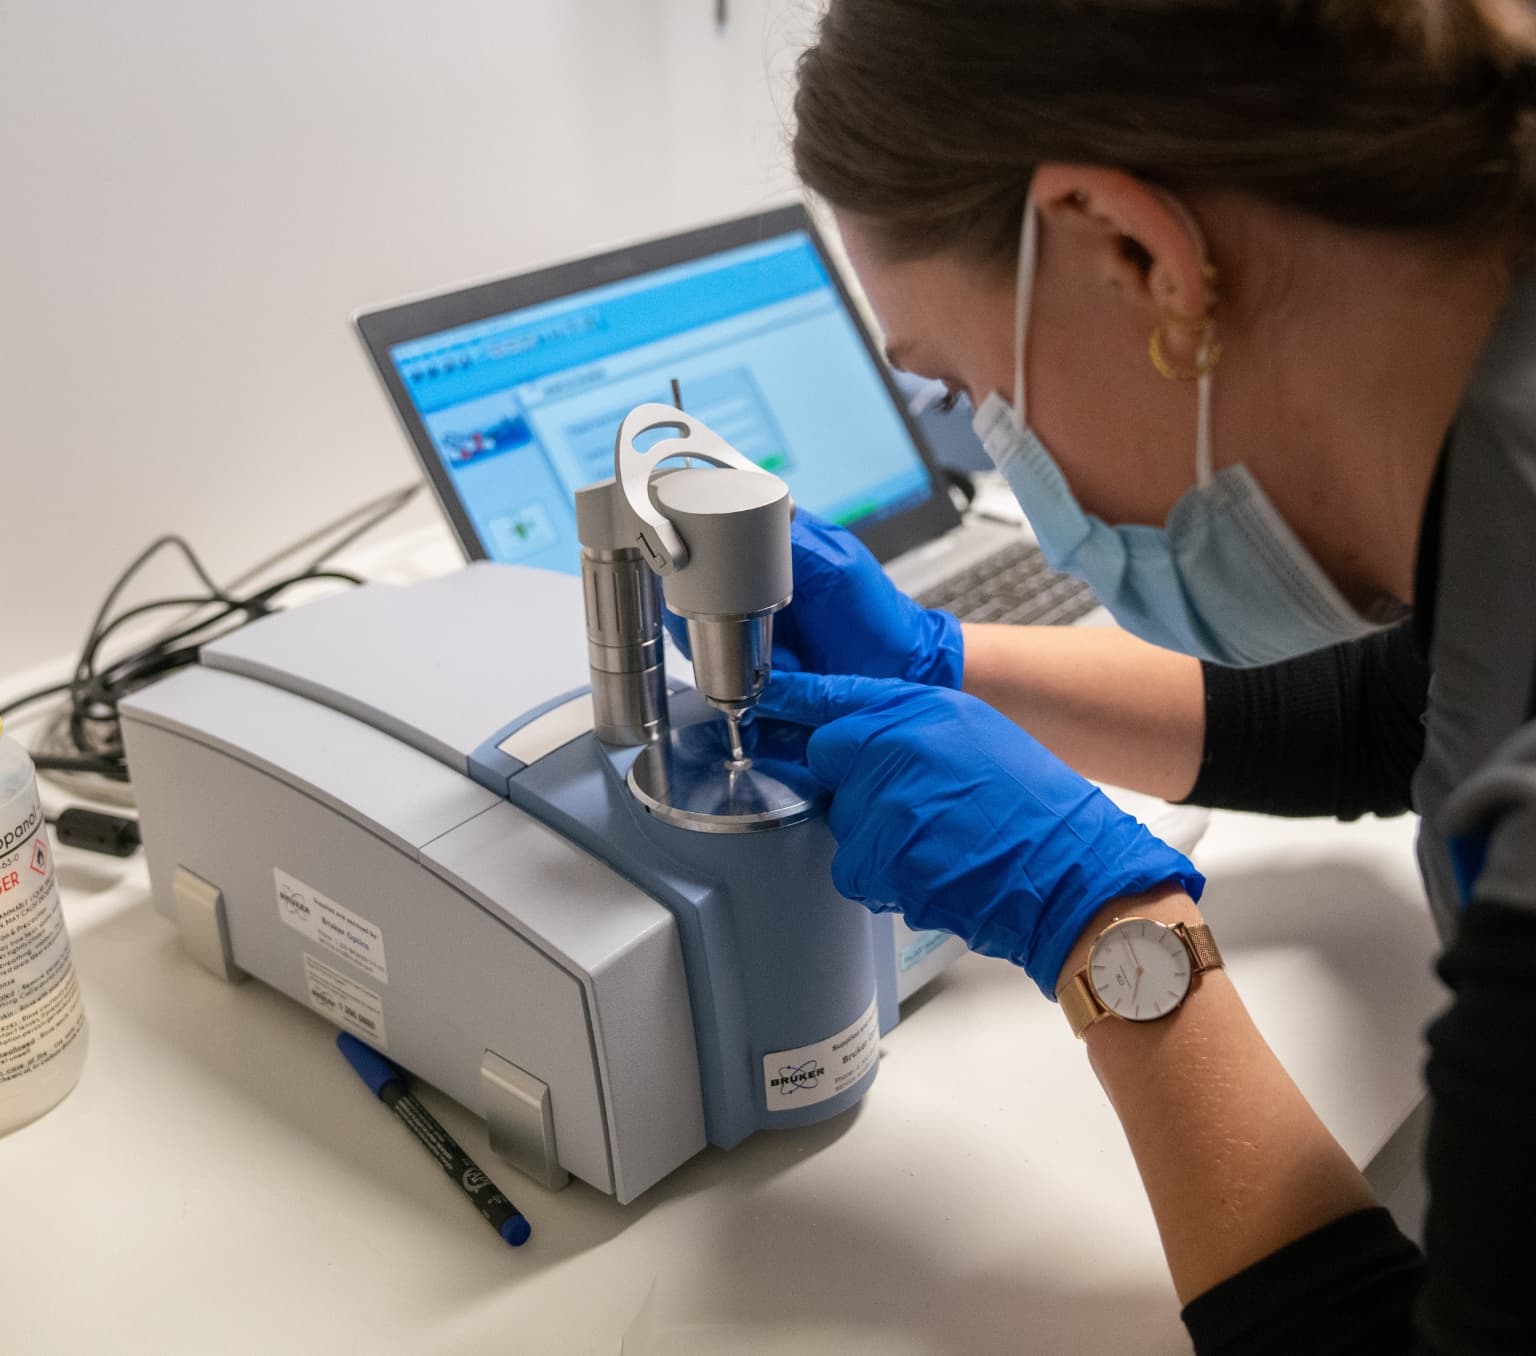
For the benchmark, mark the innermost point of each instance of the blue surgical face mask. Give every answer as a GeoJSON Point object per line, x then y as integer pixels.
{"type": "Point", "coordinates": [1224, 579]}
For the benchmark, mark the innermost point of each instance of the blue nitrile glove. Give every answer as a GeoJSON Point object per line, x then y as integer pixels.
{"type": "Point", "coordinates": [847, 616]}
{"type": "Point", "coordinates": [946, 810]}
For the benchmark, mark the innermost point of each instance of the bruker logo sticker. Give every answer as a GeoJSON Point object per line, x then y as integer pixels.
{"type": "Point", "coordinates": [793, 1077]}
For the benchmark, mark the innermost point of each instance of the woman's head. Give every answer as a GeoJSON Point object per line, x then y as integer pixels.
{"type": "Point", "coordinates": [1349, 167]}
{"type": "Point", "coordinates": [926, 118]}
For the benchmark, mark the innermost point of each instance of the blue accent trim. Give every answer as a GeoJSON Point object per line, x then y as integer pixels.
{"type": "Point", "coordinates": [1469, 854]}
{"type": "Point", "coordinates": [542, 709]}
{"type": "Point", "coordinates": [585, 774]}
{"type": "Point", "coordinates": [516, 1231]}
{"type": "Point", "coordinates": [492, 768]}
{"type": "Point", "coordinates": [773, 957]}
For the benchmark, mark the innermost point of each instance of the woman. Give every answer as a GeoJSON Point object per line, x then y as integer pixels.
{"type": "Point", "coordinates": [1255, 271]}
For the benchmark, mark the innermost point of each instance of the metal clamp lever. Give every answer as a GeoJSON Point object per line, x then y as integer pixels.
{"type": "Point", "coordinates": [659, 540]}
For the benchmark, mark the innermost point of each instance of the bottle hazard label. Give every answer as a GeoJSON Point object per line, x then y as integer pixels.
{"type": "Point", "coordinates": [40, 1009]}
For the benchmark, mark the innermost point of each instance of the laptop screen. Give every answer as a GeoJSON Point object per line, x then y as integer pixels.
{"type": "Point", "coordinates": [517, 410]}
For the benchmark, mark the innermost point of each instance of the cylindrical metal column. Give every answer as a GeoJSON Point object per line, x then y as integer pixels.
{"type": "Point", "coordinates": [622, 598]}
{"type": "Point", "coordinates": [624, 647]}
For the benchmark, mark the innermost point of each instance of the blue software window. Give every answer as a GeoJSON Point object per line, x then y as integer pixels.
{"type": "Point", "coordinates": [523, 408]}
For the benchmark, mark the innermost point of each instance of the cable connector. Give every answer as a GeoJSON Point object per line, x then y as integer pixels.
{"type": "Point", "coordinates": [97, 831]}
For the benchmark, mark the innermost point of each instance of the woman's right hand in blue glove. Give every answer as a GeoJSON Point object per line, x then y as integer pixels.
{"type": "Point", "coordinates": [847, 616]}
{"type": "Point", "coordinates": [945, 809]}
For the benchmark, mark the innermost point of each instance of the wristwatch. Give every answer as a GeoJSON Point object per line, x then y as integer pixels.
{"type": "Point", "coordinates": [1138, 970]}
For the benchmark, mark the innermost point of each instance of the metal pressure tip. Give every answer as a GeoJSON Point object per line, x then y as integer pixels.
{"type": "Point", "coordinates": [733, 732]}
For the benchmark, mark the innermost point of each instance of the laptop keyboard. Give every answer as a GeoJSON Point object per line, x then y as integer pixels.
{"type": "Point", "coordinates": [1013, 586]}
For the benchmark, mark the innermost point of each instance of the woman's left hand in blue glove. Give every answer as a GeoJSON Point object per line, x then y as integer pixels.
{"type": "Point", "coordinates": [848, 617]}
{"type": "Point", "coordinates": [946, 810]}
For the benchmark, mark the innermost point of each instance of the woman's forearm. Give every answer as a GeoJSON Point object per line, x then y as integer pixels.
{"type": "Point", "coordinates": [1235, 1162]}
{"type": "Point", "coordinates": [1113, 707]}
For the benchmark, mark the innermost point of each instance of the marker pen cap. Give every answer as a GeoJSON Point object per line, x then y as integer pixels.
{"type": "Point", "coordinates": [376, 1071]}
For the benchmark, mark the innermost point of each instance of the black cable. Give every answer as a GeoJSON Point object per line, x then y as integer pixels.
{"type": "Point", "coordinates": [88, 666]}
{"type": "Point", "coordinates": [85, 680]}
{"type": "Point", "coordinates": [345, 576]}
{"type": "Point", "coordinates": [133, 671]}
{"type": "Point", "coordinates": [190, 600]}
{"type": "Point", "coordinates": [375, 511]}
{"type": "Point", "coordinates": [82, 671]}
{"type": "Point", "coordinates": [89, 656]}
{"type": "Point", "coordinates": [394, 503]}
{"type": "Point", "coordinates": [101, 766]}
{"type": "Point", "coordinates": [94, 731]}
{"type": "Point", "coordinates": [138, 563]}
{"type": "Point", "coordinates": [96, 692]}
{"type": "Point", "coordinates": [36, 696]}
{"type": "Point", "coordinates": [253, 606]}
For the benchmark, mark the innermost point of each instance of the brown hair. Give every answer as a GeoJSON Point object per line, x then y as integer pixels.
{"type": "Point", "coordinates": [928, 117]}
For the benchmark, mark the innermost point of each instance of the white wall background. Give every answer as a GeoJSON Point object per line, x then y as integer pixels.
{"type": "Point", "coordinates": [195, 195]}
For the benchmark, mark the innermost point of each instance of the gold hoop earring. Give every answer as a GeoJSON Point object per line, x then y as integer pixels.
{"type": "Point", "coordinates": [1206, 357]}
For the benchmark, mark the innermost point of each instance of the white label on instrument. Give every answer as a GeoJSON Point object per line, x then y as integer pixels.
{"type": "Point", "coordinates": [340, 931]}
{"type": "Point", "coordinates": [813, 1073]}
{"type": "Point", "coordinates": [345, 1002]}
{"type": "Point", "coordinates": [923, 945]}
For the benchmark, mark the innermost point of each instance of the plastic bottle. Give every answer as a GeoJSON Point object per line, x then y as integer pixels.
{"type": "Point", "coordinates": [42, 1022]}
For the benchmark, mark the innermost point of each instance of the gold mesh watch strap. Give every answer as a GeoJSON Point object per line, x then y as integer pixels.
{"type": "Point", "coordinates": [1202, 946]}
{"type": "Point", "coordinates": [1081, 1005]}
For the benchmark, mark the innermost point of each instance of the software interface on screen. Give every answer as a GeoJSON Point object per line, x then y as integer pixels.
{"type": "Point", "coordinates": [523, 408]}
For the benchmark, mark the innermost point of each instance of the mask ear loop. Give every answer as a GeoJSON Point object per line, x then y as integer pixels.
{"type": "Point", "coordinates": [1210, 354]}
{"type": "Point", "coordinates": [1203, 455]}
{"type": "Point", "coordinates": [1206, 359]}
{"type": "Point", "coordinates": [1022, 296]}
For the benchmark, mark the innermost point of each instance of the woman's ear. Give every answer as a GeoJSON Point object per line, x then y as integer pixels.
{"type": "Point", "coordinates": [1147, 247]}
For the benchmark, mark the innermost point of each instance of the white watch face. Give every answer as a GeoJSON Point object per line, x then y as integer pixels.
{"type": "Point", "coordinates": [1139, 969]}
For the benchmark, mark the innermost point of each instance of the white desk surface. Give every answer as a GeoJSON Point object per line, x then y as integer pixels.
{"type": "Point", "coordinates": [221, 1181]}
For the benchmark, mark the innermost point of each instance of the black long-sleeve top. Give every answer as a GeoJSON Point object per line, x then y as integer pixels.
{"type": "Point", "coordinates": [1339, 732]}
{"type": "Point", "coordinates": [1342, 732]}
{"type": "Point", "coordinates": [1357, 1285]}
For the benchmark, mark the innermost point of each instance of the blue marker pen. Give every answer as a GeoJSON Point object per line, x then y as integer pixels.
{"type": "Point", "coordinates": [387, 1081]}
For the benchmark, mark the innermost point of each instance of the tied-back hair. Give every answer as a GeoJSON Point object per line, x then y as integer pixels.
{"type": "Point", "coordinates": [927, 118]}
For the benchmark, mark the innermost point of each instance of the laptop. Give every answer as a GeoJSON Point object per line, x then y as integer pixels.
{"type": "Point", "coordinates": [512, 392]}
